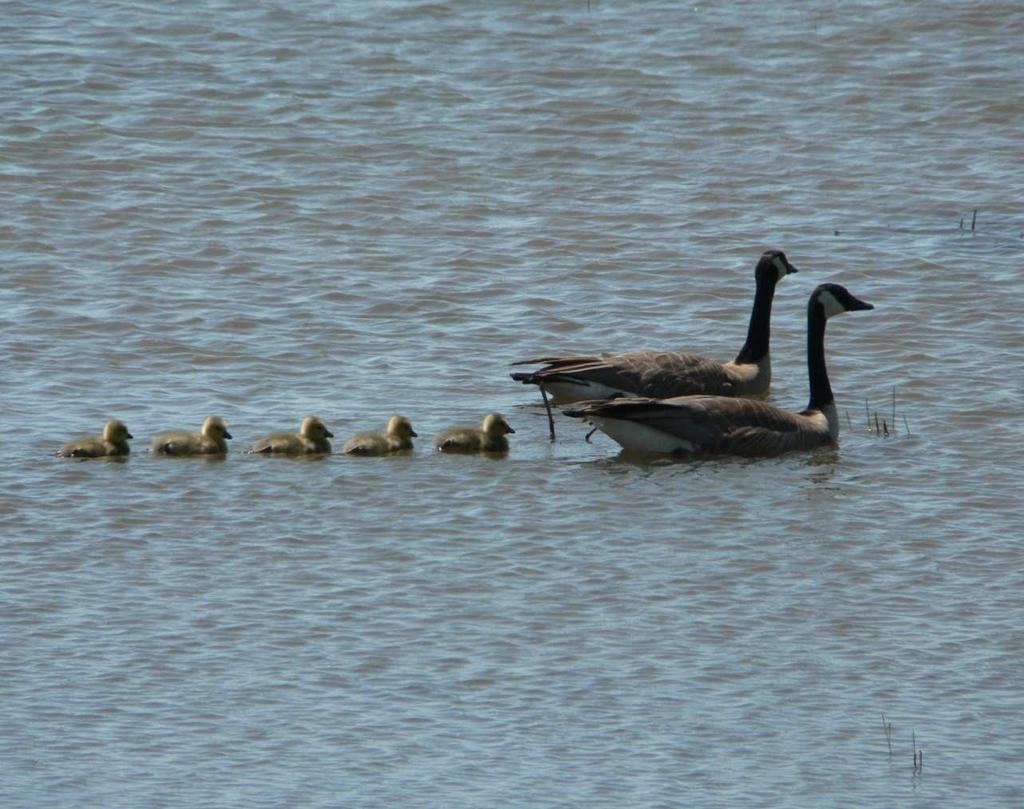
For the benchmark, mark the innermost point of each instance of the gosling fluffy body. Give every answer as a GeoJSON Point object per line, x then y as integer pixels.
{"type": "Point", "coordinates": [112, 443]}
{"type": "Point", "coordinates": [396, 437]}
{"type": "Point", "coordinates": [490, 437]}
{"type": "Point", "coordinates": [210, 440]}
{"type": "Point", "coordinates": [311, 439]}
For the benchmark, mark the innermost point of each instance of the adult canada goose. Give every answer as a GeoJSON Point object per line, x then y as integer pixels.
{"type": "Point", "coordinates": [660, 374]}
{"type": "Point", "coordinates": [396, 437]}
{"type": "Point", "coordinates": [311, 439]}
{"type": "Point", "coordinates": [210, 440]}
{"type": "Point", "coordinates": [113, 442]}
{"type": "Point", "coordinates": [696, 425]}
{"type": "Point", "coordinates": [489, 438]}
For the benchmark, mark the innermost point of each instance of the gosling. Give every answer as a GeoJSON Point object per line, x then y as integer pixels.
{"type": "Point", "coordinates": [396, 437]}
{"type": "Point", "coordinates": [311, 439]}
{"type": "Point", "coordinates": [489, 438]}
{"type": "Point", "coordinates": [210, 440]}
{"type": "Point", "coordinates": [113, 443]}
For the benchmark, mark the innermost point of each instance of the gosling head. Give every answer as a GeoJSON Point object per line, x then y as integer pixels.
{"type": "Point", "coordinates": [314, 429]}
{"type": "Point", "coordinates": [400, 427]}
{"type": "Point", "coordinates": [494, 424]}
{"type": "Point", "coordinates": [773, 266]}
{"type": "Point", "coordinates": [215, 427]}
{"type": "Point", "coordinates": [834, 299]}
{"type": "Point", "coordinates": [115, 432]}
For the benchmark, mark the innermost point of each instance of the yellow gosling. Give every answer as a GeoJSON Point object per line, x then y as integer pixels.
{"type": "Point", "coordinates": [396, 437]}
{"type": "Point", "coordinates": [311, 439]}
{"type": "Point", "coordinates": [113, 442]}
{"type": "Point", "coordinates": [489, 438]}
{"type": "Point", "coordinates": [210, 440]}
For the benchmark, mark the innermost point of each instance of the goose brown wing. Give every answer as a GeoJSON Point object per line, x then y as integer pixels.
{"type": "Point", "coordinates": [711, 423]}
{"type": "Point", "coordinates": [657, 374]}
{"type": "Point", "coordinates": [552, 363]}
{"type": "Point", "coordinates": [661, 374]}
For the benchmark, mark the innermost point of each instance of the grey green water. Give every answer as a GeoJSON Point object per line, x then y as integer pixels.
{"type": "Point", "coordinates": [269, 210]}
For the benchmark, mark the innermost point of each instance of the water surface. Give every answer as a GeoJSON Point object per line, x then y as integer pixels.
{"type": "Point", "coordinates": [359, 209]}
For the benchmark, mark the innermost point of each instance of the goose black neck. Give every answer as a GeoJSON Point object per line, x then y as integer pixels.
{"type": "Point", "coordinates": [759, 330]}
{"type": "Point", "coordinates": [821, 390]}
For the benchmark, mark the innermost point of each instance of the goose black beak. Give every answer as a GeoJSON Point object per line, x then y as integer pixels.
{"type": "Point", "coordinates": [859, 305]}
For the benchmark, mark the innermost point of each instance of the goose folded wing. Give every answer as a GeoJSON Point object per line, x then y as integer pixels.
{"type": "Point", "coordinates": [656, 374]}
{"type": "Point", "coordinates": [709, 422]}
{"type": "Point", "coordinates": [552, 363]}
{"type": "Point", "coordinates": [659, 374]}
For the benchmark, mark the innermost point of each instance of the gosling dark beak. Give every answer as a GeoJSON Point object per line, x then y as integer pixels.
{"type": "Point", "coordinates": [413, 434]}
{"type": "Point", "coordinates": [227, 434]}
{"type": "Point", "coordinates": [328, 433]}
{"type": "Point", "coordinates": [129, 435]}
{"type": "Point", "coordinates": [509, 429]}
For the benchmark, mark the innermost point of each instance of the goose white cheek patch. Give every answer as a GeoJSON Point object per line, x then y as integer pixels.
{"type": "Point", "coordinates": [830, 304]}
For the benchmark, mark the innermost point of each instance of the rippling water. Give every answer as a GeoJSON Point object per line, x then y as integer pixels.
{"type": "Point", "coordinates": [358, 209]}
